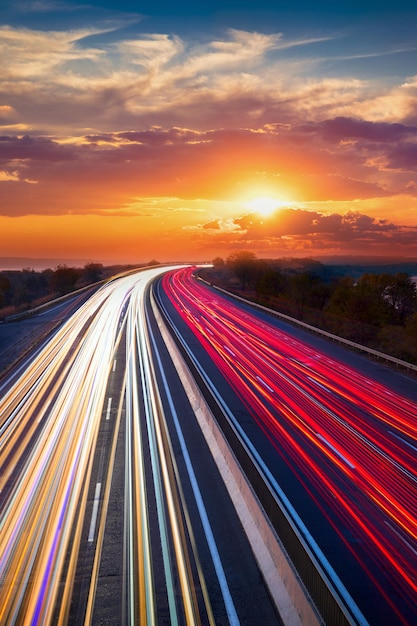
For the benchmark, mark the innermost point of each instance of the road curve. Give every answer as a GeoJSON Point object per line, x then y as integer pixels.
{"type": "Point", "coordinates": [111, 506]}
{"type": "Point", "coordinates": [339, 446]}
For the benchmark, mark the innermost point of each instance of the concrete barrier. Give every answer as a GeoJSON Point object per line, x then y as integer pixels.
{"type": "Point", "coordinates": [287, 590]}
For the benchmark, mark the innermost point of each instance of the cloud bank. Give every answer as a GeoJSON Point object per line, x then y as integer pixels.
{"type": "Point", "coordinates": [94, 122]}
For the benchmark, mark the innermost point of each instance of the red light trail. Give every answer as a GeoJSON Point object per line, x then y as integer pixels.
{"type": "Point", "coordinates": [349, 436]}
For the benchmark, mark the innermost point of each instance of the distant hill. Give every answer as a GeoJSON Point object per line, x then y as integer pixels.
{"type": "Point", "coordinates": [356, 266]}
{"type": "Point", "coordinates": [330, 267]}
{"type": "Point", "coordinates": [18, 263]}
{"type": "Point", "coordinates": [363, 259]}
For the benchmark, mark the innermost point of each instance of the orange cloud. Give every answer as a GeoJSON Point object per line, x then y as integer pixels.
{"type": "Point", "coordinates": [314, 162]}
{"type": "Point", "coordinates": [153, 139]}
{"type": "Point", "coordinates": [289, 230]}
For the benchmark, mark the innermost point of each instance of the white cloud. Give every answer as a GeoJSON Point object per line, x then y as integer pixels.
{"type": "Point", "coordinates": [9, 176]}
{"type": "Point", "coordinates": [14, 176]}
{"type": "Point", "coordinates": [39, 55]}
{"type": "Point", "coordinates": [392, 105]}
{"type": "Point", "coordinates": [59, 81]}
{"type": "Point", "coordinates": [153, 50]}
{"type": "Point", "coordinates": [42, 6]}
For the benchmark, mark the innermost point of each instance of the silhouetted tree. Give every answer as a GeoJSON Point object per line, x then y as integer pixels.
{"type": "Point", "coordinates": [400, 293]}
{"type": "Point", "coordinates": [218, 262]}
{"type": "Point", "coordinates": [64, 279]}
{"type": "Point", "coordinates": [243, 265]}
{"type": "Point", "coordinates": [411, 326]}
{"type": "Point", "coordinates": [319, 295]}
{"type": "Point", "coordinates": [339, 302]}
{"type": "Point", "coordinates": [4, 288]}
{"type": "Point", "coordinates": [361, 301]}
{"type": "Point", "coordinates": [270, 282]}
{"type": "Point", "coordinates": [386, 298]}
{"type": "Point", "coordinates": [93, 272]}
{"type": "Point", "coordinates": [370, 305]}
{"type": "Point", "coordinates": [47, 278]}
{"type": "Point", "coordinates": [34, 284]}
{"type": "Point", "coordinates": [300, 287]}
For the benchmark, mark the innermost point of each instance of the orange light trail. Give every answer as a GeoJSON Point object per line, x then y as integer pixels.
{"type": "Point", "coordinates": [348, 435]}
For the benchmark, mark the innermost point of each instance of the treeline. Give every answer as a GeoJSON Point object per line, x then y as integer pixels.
{"type": "Point", "coordinates": [23, 289]}
{"type": "Point", "coordinates": [375, 309]}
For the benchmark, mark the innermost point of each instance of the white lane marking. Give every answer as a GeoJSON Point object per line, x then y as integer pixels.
{"type": "Point", "coordinates": [108, 408]}
{"type": "Point", "coordinates": [114, 365]}
{"type": "Point", "coordinates": [407, 543]}
{"type": "Point", "coordinates": [265, 384]}
{"type": "Point", "coordinates": [296, 519]}
{"type": "Point", "coordinates": [335, 450]}
{"type": "Point", "coordinates": [316, 382]}
{"type": "Point", "coordinates": [94, 513]}
{"type": "Point", "coordinates": [215, 555]}
{"type": "Point", "coordinates": [407, 443]}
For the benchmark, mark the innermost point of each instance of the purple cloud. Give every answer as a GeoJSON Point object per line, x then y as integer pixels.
{"type": "Point", "coordinates": [341, 128]}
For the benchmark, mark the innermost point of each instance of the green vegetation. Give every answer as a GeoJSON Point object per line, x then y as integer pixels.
{"type": "Point", "coordinates": [24, 289]}
{"type": "Point", "coordinates": [21, 290]}
{"type": "Point", "coordinates": [376, 309]}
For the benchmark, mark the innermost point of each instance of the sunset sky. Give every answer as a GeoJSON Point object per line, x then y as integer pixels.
{"type": "Point", "coordinates": [147, 130]}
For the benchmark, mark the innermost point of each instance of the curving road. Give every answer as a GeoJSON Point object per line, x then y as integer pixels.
{"type": "Point", "coordinates": [339, 446]}
{"type": "Point", "coordinates": [112, 509]}
{"type": "Point", "coordinates": [116, 507]}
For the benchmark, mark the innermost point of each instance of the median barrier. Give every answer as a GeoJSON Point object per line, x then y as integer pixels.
{"type": "Point", "coordinates": [285, 586]}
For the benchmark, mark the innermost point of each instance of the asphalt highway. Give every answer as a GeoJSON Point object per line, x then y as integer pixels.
{"type": "Point", "coordinates": [336, 433]}
{"type": "Point", "coordinates": [115, 507]}
{"type": "Point", "coordinates": [112, 508]}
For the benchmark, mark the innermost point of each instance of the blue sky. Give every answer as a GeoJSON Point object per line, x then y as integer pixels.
{"type": "Point", "coordinates": [165, 121]}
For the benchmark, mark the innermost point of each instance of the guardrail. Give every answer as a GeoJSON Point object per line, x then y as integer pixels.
{"type": "Point", "coordinates": [321, 589]}
{"type": "Point", "coordinates": [49, 304]}
{"type": "Point", "coordinates": [318, 331]}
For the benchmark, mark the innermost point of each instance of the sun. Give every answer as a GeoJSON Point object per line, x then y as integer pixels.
{"type": "Point", "coordinates": [265, 205]}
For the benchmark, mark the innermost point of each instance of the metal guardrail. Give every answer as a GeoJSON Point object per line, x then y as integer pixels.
{"type": "Point", "coordinates": [47, 305]}
{"type": "Point", "coordinates": [56, 301]}
{"type": "Point", "coordinates": [318, 331]}
{"type": "Point", "coordinates": [323, 588]}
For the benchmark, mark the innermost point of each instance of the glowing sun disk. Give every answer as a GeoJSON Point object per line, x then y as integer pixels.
{"type": "Point", "coordinates": [265, 205]}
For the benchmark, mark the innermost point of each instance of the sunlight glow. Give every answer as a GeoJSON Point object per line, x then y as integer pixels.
{"type": "Point", "coordinates": [265, 205]}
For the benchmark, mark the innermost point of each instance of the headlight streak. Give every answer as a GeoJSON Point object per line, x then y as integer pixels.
{"type": "Point", "coordinates": [49, 426]}
{"type": "Point", "coordinates": [164, 469]}
{"type": "Point", "coordinates": [342, 417]}
{"type": "Point", "coordinates": [39, 510]}
{"type": "Point", "coordinates": [137, 530]}
{"type": "Point", "coordinates": [230, 608]}
{"type": "Point", "coordinates": [171, 505]}
{"type": "Point", "coordinates": [101, 526]}
{"type": "Point", "coordinates": [157, 480]}
{"type": "Point", "coordinates": [47, 495]}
